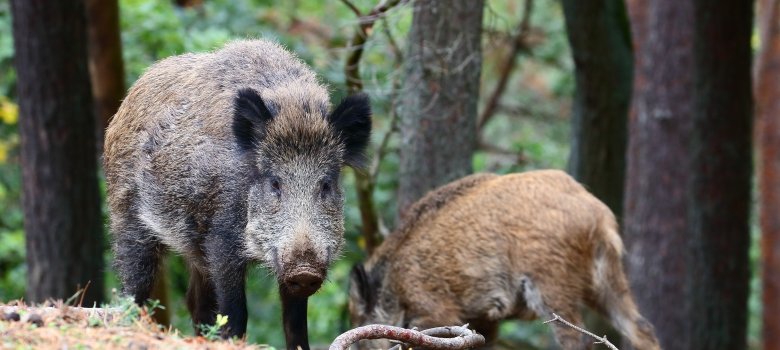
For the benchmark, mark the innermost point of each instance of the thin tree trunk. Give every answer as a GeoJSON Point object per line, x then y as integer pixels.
{"type": "Point", "coordinates": [439, 94]}
{"type": "Point", "coordinates": [106, 67]}
{"type": "Point", "coordinates": [767, 94]}
{"type": "Point", "coordinates": [688, 183]}
{"type": "Point", "coordinates": [63, 225]}
{"type": "Point", "coordinates": [600, 40]}
{"type": "Point", "coordinates": [601, 47]}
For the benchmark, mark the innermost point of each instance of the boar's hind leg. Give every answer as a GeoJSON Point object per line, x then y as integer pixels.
{"type": "Point", "coordinates": [227, 270]}
{"type": "Point", "coordinates": [201, 300]}
{"type": "Point", "coordinates": [136, 258]}
{"type": "Point", "coordinates": [547, 298]}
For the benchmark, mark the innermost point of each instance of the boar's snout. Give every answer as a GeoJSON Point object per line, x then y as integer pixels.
{"type": "Point", "coordinates": [303, 282]}
{"type": "Point", "coordinates": [301, 272]}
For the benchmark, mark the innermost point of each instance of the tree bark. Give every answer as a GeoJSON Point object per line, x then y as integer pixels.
{"type": "Point", "coordinates": [439, 94]}
{"type": "Point", "coordinates": [106, 67]}
{"type": "Point", "coordinates": [719, 203]}
{"type": "Point", "coordinates": [767, 94]}
{"type": "Point", "coordinates": [63, 225]}
{"type": "Point", "coordinates": [689, 166]}
{"type": "Point", "coordinates": [601, 48]}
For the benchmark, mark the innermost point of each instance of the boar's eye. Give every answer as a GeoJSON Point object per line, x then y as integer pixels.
{"type": "Point", "coordinates": [276, 188]}
{"type": "Point", "coordinates": [325, 189]}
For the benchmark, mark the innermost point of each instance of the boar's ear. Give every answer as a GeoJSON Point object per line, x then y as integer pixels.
{"type": "Point", "coordinates": [362, 289]}
{"type": "Point", "coordinates": [250, 118]}
{"type": "Point", "coordinates": [352, 120]}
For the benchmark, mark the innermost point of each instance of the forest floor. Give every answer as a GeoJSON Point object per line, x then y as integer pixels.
{"type": "Point", "coordinates": [121, 325]}
{"type": "Point", "coordinates": [56, 325]}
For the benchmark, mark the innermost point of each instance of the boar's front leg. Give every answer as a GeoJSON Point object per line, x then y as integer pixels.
{"type": "Point", "coordinates": [201, 299]}
{"type": "Point", "coordinates": [227, 269]}
{"type": "Point", "coordinates": [296, 332]}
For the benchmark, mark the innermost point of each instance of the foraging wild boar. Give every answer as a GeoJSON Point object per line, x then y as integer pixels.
{"type": "Point", "coordinates": [488, 248]}
{"type": "Point", "coordinates": [228, 158]}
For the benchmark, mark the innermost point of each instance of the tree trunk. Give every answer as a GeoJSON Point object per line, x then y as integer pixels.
{"type": "Point", "coordinates": [600, 42]}
{"type": "Point", "coordinates": [719, 203]}
{"type": "Point", "coordinates": [601, 47]}
{"type": "Point", "coordinates": [688, 183]}
{"type": "Point", "coordinates": [106, 68]}
{"type": "Point", "coordinates": [63, 225]}
{"type": "Point", "coordinates": [767, 93]}
{"type": "Point", "coordinates": [439, 94]}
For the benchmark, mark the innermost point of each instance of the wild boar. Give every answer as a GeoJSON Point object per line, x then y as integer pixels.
{"type": "Point", "coordinates": [488, 248]}
{"type": "Point", "coordinates": [228, 158]}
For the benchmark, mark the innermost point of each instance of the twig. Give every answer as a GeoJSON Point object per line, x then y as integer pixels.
{"type": "Point", "coordinates": [383, 144]}
{"type": "Point", "coordinates": [441, 338]}
{"type": "Point", "coordinates": [600, 340]}
{"type": "Point", "coordinates": [356, 45]}
{"type": "Point", "coordinates": [518, 43]}
{"type": "Point", "coordinates": [399, 56]}
{"type": "Point", "coordinates": [84, 292]}
{"type": "Point", "coordinates": [364, 182]}
{"type": "Point", "coordinates": [352, 7]}
{"type": "Point", "coordinates": [490, 148]}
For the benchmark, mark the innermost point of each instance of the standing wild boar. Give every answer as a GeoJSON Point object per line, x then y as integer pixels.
{"type": "Point", "coordinates": [228, 158]}
{"type": "Point", "coordinates": [488, 248]}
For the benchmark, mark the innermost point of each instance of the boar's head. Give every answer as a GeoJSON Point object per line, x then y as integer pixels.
{"type": "Point", "coordinates": [372, 303]}
{"type": "Point", "coordinates": [295, 150]}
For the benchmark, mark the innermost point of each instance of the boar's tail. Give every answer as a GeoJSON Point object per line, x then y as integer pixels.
{"type": "Point", "coordinates": [612, 289]}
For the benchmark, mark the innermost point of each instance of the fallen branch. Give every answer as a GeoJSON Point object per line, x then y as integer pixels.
{"type": "Point", "coordinates": [599, 340]}
{"type": "Point", "coordinates": [439, 338]}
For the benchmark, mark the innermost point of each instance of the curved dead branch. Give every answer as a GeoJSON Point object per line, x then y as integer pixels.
{"type": "Point", "coordinates": [440, 338]}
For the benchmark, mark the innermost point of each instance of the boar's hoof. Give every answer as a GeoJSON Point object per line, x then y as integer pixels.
{"type": "Point", "coordinates": [303, 283]}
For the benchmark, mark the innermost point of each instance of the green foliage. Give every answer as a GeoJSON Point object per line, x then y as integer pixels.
{"type": "Point", "coordinates": [532, 122]}
{"type": "Point", "coordinates": [7, 73]}
{"type": "Point", "coordinates": [212, 331]}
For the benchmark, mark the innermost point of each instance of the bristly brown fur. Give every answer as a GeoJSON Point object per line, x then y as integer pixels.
{"type": "Point", "coordinates": [488, 248]}
{"type": "Point", "coordinates": [429, 205]}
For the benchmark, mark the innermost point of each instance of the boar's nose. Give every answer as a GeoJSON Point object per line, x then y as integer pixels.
{"type": "Point", "coordinates": [303, 283]}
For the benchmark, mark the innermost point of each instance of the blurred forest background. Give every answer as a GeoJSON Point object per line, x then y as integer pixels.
{"type": "Point", "coordinates": [554, 90]}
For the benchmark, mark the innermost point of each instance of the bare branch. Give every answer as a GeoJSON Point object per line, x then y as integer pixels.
{"type": "Point", "coordinates": [364, 182]}
{"type": "Point", "coordinates": [352, 7]}
{"type": "Point", "coordinates": [382, 149]}
{"type": "Point", "coordinates": [441, 338]}
{"type": "Point", "coordinates": [356, 45]}
{"type": "Point", "coordinates": [518, 43]}
{"type": "Point", "coordinates": [599, 340]}
{"type": "Point", "coordinates": [491, 148]}
{"type": "Point", "coordinates": [399, 56]}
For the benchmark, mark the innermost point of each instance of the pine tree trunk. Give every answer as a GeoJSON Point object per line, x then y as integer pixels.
{"type": "Point", "coordinates": [63, 224]}
{"type": "Point", "coordinates": [688, 183]}
{"type": "Point", "coordinates": [767, 92]}
{"type": "Point", "coordinates": [439, 94]}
